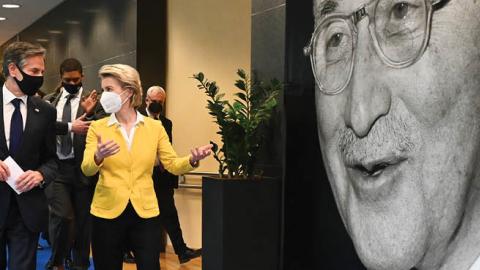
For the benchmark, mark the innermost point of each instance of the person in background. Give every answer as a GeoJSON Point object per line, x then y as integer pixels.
{"type": "Point", "coordinates": [70, 194]}
{"type": "Point", "coordinates": [123, 148]}
{"type": "Point", "coordinates": [28, 137]}
{"type": "Point", "coordinates": [165, 182]}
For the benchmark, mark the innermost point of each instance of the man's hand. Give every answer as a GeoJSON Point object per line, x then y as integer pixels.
{"type": "Point", "coordinates": [89, 103]}
{"type": "Point", "coordinates": [28, 180]}
{"type": "Point", "coordinates": [109, 148]}
{"type": "Point", "coordinates": [199, 153]}
{"type": "Point", "coordinates": [80, 126]}
{"type": "Point", "coordinates": [4, 171]}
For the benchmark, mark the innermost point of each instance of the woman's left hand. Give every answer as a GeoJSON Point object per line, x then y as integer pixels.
{"type": "Point", "coordinates": [199, 153]}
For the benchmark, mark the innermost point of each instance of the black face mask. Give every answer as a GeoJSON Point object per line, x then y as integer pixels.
{"type": "Point", "coordinates": [72, 88]}
{"type": "Point", "coordinates": [30, 84]}
{"type": "Point", "coordinates": [155, 107]}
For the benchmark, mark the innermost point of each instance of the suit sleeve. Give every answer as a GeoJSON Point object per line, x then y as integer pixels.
{"type": "Point", "coordinates": [89, 167]}
{"type": "Point", "coordinates": [49, 160]}
{"type": "Point", "coordinates": [61, 128]}
{"type": "Point", "coordinates": [167, 124]}
{"type": "Point", "coordinates": [169, 158]}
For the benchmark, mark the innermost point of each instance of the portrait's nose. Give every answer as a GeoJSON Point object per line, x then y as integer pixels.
{"type": "Point", "coordinates": [368, 97]}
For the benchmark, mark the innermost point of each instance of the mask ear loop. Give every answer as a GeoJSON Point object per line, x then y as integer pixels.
{"type": "Point", "coordinates": [123, 102]}
{"type": "Point", "coordinates": [21, 72]}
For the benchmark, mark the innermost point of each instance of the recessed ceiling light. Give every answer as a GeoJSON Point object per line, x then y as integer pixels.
{"type": "Point", "coordinates": [2, 18]}
{"type": "Point", "coordinates": [42, 40]}
{"type": "Point", "coordinates": [10, 6]}
{"type": "Point", "coordinates": [72, 22]}
{"type": "Point", "coordinates": [56, 32]}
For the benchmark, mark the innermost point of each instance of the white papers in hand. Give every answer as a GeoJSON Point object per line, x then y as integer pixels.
{"type": "Point", "coordinates": [15, 172]}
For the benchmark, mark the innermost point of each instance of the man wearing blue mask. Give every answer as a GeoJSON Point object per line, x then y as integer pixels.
{"type": "Point", "coordinates": [27, 135]}
{"type": "Point", "coordinates": [70, 194]}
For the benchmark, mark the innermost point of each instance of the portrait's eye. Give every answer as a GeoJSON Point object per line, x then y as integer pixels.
{"type": "Point", "coordinates": [335, 40]}
{"type": "Point", "coordinates": [400, 10]}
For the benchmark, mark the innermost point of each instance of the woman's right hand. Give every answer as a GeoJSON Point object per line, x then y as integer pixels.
{"type": "Point", "coordinates": [109, 148]}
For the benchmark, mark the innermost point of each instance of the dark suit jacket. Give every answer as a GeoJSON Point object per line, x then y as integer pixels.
{"type": "Point", "coordinates": [78, 139]}
{"type": "Point", "coordinates": [37, 152]}
{"type": "Point", "coordinates": [163, 179]}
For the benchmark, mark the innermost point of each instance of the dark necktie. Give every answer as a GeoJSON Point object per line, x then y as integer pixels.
{"type": "Point", "coordinates": [66, 140]}
{"type": "Point", "coordinates": [16, 127]}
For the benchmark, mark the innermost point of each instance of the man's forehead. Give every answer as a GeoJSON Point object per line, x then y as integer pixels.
{"type": "Point", "coordinates": [34, 62]}
{"type": "Point", "coordinates": [72, 74]}
{"type": "Point", "coordinates": [156, 95]}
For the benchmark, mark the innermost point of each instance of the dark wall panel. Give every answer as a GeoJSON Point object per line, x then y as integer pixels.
{"type": "Point", "coordinates": [268, 41]}
{"type": "Point", "coordinates": [152, 42]}
{"type": "Point", "coordinates": [97, 32]}
{"type": "Point", "coordinates": [314, 235]}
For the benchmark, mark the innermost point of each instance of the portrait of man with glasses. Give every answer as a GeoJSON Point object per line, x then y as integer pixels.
{"type": "Point", "coordinates": [398, 113]}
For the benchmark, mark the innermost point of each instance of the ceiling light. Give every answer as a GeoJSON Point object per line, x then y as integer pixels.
{"type": "Point", "coordinates": [10, 6]}
{"type": "Point", "coordinates": [42, 40]}
{"type": "Point", "coordinates": [2, 18]}
{"type": "Point", "coordinates": [56, 32]}
{"type": "Point", "coordinates": [73, 22]}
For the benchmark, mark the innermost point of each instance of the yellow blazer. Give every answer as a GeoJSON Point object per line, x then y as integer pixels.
{"type": "Point", "coordinates": [127, 175]}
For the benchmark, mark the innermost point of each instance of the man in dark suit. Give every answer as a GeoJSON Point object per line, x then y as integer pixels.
{"type": "Point", "coordinates": [165, 182]}
{"type": "Point", "coordinates": [70, 194]}
{"type": "Point", "coordinates": [27, 134]}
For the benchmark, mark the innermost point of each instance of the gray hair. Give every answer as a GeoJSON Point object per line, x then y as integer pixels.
{"type": "Point", "coordinates": [18, 52]}
{"type": "Point", "coordinates": [156, 88]}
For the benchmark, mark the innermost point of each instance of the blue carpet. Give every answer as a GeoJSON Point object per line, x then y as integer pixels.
{"type": "Point", "coordinates": [44, 254]}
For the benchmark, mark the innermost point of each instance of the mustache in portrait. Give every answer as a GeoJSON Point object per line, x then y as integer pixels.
{"type": "Point", "coordinates": [390, 135]}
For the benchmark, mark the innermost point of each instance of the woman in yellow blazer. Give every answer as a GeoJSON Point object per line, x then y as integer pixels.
{"type": "Point", "coordinates": [123, 148]}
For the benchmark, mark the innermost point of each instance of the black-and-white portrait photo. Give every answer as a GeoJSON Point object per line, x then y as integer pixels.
{"type": "Point", "coordinates": [398, 103]}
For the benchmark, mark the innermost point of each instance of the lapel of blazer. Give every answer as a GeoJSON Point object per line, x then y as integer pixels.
{"type": "Point", "coordinates": [3, 142]}
{"type": "Point", "coordinates": [57, 98]}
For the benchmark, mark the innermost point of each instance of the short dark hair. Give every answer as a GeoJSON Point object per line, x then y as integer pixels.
{"type": "Point", "coordinates": [17, 52]}
{"type": "Point", "coordinates": [70, 64]}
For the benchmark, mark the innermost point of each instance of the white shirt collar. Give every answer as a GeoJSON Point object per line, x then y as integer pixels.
{"type": "Point", "coordinates": [113, 119]}
{"type": "Point", "coordinates": [476, 264]}
{"type": "Point", "coordinates": [9, 96]}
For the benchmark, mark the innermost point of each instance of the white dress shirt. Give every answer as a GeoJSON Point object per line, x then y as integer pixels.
{"type": "Point", "coordinates": [128, 137]}
{"type": "Point", "coordinates": [74, 103]}
{"type": "Point", "coordinates": [8, 110]}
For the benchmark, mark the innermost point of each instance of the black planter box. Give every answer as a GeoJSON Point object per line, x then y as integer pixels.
{"type": "Point", "coordinates": [241, 224]}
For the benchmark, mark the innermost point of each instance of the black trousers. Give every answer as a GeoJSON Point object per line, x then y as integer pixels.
{"type": "Point", "coordinates": [19, 240]}
{"type": "Point", "coordinates": [69, 220]}
{"type": "Point", "coordinates": [169, 217]}
{"type": "Point", "coordinates": [110, 235]}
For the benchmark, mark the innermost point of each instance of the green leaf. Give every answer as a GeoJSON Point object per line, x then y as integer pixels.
{"type": "Point", "coordinates": [241, 73]}
{"type": "Point", "coordinates": [200, 76]}
{"type": "Point", "coordinates": [241, 85]}
{"type": "Point", "coordinates": [242, 96]}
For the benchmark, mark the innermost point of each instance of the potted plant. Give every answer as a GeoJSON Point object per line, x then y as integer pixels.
{"type": "Point", "coordinates": [240, 207]}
